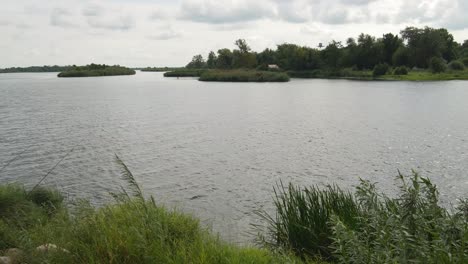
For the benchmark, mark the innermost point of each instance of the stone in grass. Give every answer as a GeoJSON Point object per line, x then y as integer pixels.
{"type": "Point", "coordinates": [50, 248]}
{"type": "Point", "coordinates": [5, 260]}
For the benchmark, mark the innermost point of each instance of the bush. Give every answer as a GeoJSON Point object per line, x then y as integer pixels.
{"type": "Point", "coordinates": [49, 199]}
{"type": "Point", "coordinates": [402, 70]}
{"type": "Point", "coordinates": [437, 65]}
{"type": "Point", "coordinates": [380, 69]}
{"type": "Point", "coordinates": [465, 61]}
{"type": "Point", "coordinates": [456, 66]}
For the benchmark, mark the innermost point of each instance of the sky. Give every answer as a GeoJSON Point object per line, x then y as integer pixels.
{"type": "Point", "coordinates": [139, 33]}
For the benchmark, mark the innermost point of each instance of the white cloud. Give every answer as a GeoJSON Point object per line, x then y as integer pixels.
{"type": "Point", "coordinates": [164, 32]}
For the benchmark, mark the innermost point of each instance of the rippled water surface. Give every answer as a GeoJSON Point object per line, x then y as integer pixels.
{"type": "Point", "coordinates": [216, 149]}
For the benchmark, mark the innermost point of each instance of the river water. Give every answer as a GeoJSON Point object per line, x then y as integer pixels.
{"type": "Point", "coordinates": [217, 149]}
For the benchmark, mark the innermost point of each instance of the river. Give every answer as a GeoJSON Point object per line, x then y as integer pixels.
{"type": "Point", "coordinates": [217, 149]}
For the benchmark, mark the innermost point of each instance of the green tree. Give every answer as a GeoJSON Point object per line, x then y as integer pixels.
{"type": "Point", "coordinates": [224, 60]}
{"type": "Point", "coordinates": [242, 57]}
{"type": "Point", "coordinates": [391, 43]}
{"type": "Point", "coordinates": [211, 62]}
{"type": "Point", "coordinates": [332, 55]}
{"type": "Point", "coordinates": [437, 65]}
{"type": "Point", "coordinates": [197, 62]}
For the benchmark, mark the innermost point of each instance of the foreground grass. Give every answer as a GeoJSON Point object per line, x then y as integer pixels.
{"type": "Point", "coordinates": [132, 230]}
{"type": "Point", "coordinates": [369, 227]}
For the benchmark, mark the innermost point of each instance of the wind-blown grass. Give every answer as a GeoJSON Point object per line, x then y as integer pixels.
{"type": "Point", "coordinates": [131, 230]}
{"type": "Point", "coordinates": [370, 227]}
{"type": "Point", "coordinates": [302, 218]}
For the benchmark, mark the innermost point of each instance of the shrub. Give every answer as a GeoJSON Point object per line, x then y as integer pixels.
{"type": "Point", "coordinates": [380, 69]}
{"type": "Point", "coordinates": [402, 70]}
{"type": "Point", "coordinates": [465, 61]}
{"type": "Point", "coordinates": [456, 65]}
{"type": "Point", "coordinates": [437, 65]}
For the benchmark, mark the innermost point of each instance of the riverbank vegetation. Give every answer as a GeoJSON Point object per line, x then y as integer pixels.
{"type": "Point", "coordinates": [310, 225]}
{"type": "Point", "coordinates": [160, 69]}
{"type": "Point", "coordinates": [416, 49]}
{"type": "Point", "coordinates": [45, 68]}
{"type": "Point", "coordinates": [241, 75]}
{"type": "Point", "coordinates": [368, 226]}
{"type": "Point", "coordinates": [95, 70]}
{"type": "Point", "coordinates": [185, 73]}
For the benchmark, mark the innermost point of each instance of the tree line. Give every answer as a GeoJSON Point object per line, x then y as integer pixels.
{"type": "Point", "coordinates": [413, 48]}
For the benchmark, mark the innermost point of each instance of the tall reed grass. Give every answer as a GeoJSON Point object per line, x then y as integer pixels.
{"type": "Point", "coordinates": [369, 227]}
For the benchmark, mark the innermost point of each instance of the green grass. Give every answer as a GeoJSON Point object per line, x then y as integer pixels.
{"type": "Point", "coordinates": [370, 227]}
{"type": "Point", "coordinates": [95, 70]}
{"type": "Point", "coordinates": [420, 75]}
{"type": "Point", "coordinates": [243, 76]}
{"type": "Point", "coordinates": [161, 69]}
{"type": "Point", "coordinates": [429, 76]}
{"type": "Point", "coordinates": [302, 219]}
{"type": "Point", "coordinates": [185, 73]}
{"type": "Point", "coordinates": [132, 230]}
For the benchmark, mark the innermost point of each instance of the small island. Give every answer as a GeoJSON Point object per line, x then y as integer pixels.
{"type": "Point", "coordinates": [96, 70]}
{"type": "Point", "coordinates": [416, 54]}
{"type": "Point", "coordinates": [45, 68]}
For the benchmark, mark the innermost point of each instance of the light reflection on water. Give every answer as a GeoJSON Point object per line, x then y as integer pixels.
{"type": "Point", "coordinates": [217, 149]}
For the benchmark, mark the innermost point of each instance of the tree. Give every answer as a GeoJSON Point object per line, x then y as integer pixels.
{"type": "Point", "coordinates": [391, 43]}
{"type": "Point", "coordinates": [224, 60]}
{"type": "Point", "coordinates": [197, 62]}
{"type": "Point", "coordinates": [211, 62]}
{"type": "Point", "coordinates": [427, 43]}
{"type": "Point", "coordinates": [332, 54]}
{"type": "Point", "coordinates": [242, 45]}
{"type": "Point", "coordinates": [401, 57]}
{"type": "Point", "coordinates": [242, 57]}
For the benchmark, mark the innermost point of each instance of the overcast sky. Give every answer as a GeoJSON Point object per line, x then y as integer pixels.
{"type": "Point", "coordinates": [165, 32]}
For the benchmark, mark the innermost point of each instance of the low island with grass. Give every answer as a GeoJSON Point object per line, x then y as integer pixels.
{"type": "Point", "coordinates": [96, 70]}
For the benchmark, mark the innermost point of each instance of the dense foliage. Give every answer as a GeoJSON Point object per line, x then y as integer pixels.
{"type": "Point", "coordinates": [412, 48]}
{"type": "Point", "coordinates": [44, 68]}
{"type": "Point", "coordinates": [94, 70]}
{"type": "Point", "coordinates": [456, 65]}
{"type": "Point", "coordinates": [369, 227]}
{"type": "Point", "coordinates": [437, 65]}
{"type": "Point", "coordinates": [184, 73]}
{"type": "Point", "coordinates": [380, 69]}
{"type": "Point", "coordinates": [402, 70]}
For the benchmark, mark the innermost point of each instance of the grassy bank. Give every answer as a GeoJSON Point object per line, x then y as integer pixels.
{"type": "Point", "coordinates": [243, 76]}
{"type": "Point", "coordinates": [310, 223]}
{"type": "Point", "coordinates": [132, 230]}
{"type": "Point", "coordinates": [160, 69]}
{"type": "Point", "coordinates": [418, 75]}
{"type": "Point", "coordinates": [96, 70]}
